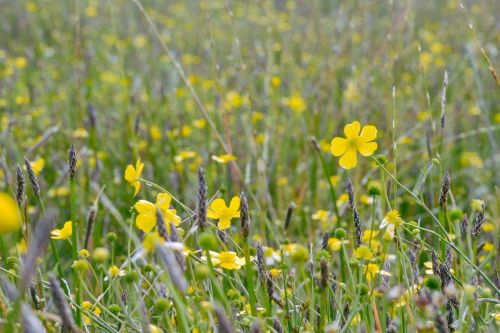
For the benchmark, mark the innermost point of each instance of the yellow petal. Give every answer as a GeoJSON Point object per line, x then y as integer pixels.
{"type": "Point", "coordinates": [143, 206]}
{"type": "Point", "coordinates": [349, 159]}
{"type": "Point", "coordinates": [234, 206]}
{"type": "Point", "coordinates": [137, 186]}
{"type": "Point", "coordinates": [352, 130]}
{"type": "Point", "coordinates": [339, 146]}
{"type": "Point", "coordinates": [224, 224]}
{"type": "Point", "coordinates": [145, 222]}
{"type": "Point", "coordinates": [130, 174]}
{"type": "Point", "coordinates": [215, 208]}
{"type": "Point", "coordinates": [367, 148]}
{"type": "Point", "coordinates": [163, 200]}
{"type": "Point", "coordinates": [368, 133]}
{"type": "Point", "coordinates": [138, 168]}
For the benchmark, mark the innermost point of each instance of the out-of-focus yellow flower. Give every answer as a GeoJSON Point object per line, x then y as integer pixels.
{"type": "Point", "coordinates": [477, 204]}
{"type": "Point", "coordinates": [37, 165]}
{"type": "Point", "coordinates": [296, 103]}
{"type": "Point", "coordinates": [353, 143]}
{"type": "Point", "coordinates": [91, 11]}
{"type": "Point", "coordinates": [282, 181]}
{"type": "Point", "coordinates": [154, 329]}
{"type": "Point", "coordinates": [22, 99]}
{"type": "Point", "coordinates": [63, 233]}
{"type": "Point", "coordinates": [233, 100]}
{"type": "Point", "coordinates": [474, 110]}
{"type": "Point", "coordinates": [184, 155]}
{"type": "Point", "coordinates": [155, 132]}
{"type": "Point", "coordinates": [257, 116]}
{"type": "Point", "coordinates": [320, 215]}
{"type": "Point", "coordinates": [199, 123]}
{"type": "Point", "coordinates": [20, 62]}
{"type": "Point", "coordinates": [219, 211]}
{"type": "Point", "coordinates": [471, 159]}
{"type": "Point", "coordinates": [21, 247]}
{"type": "Point", "coordinates": [228, 260]}
{"type": "Point", "coordinates": [488, 227]}
{"type": "Point", "coordinates": [132, 175]}
{"type": "Point", "coordinates": [223, 159]}
{"type": "Point", "coordinates": [363, 252]}
{"type": "Point", "coordinates": [80, 133]}
{"type": "Point", "coordinates": [150, 241]}
{"type": "Point", "coordinates": [275, 81]}
{"type": "Point", "coordinates": [335, 244]}
{"type": "Point", "coordinates": [10, 217]}
{"type": "Point", "coordinates": [146, 219]}
{"type": "Point", "coordinates": [351, 93]}
{"type": "Point", "coordinates": [58, 191]}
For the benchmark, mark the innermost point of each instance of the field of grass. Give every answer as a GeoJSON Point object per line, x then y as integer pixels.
{"type": "Point", "coordinates": [249, 166]}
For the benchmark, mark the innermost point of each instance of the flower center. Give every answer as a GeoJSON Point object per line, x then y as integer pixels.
{"type": "Point", "coordinates": [353, 142]}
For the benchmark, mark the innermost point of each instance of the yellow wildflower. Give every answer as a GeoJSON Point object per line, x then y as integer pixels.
{"type": "Point", "coordinates": [38, 166]}
{"type": "Point", "coordinates": [354, 142]}
{"type": "Point", "coordinates": [219, 211]}
{"type": "Point", "coordinates": [296, 103]}
{"type": "Point", "coordinates": [146, 220]}
{"type": "Point", "coordinates": [371, 269]}
{"type": "Point", "coordinates": [132, 175]}
{"type": "Point", "coordinates": [63, 233]}
{"type": "Point", "coordinates": [155, 133]}
{"type": "Point", "coordinates": [223, 159]}
{"type": "Point", "coordinates": [115, 271]}
{"type": "Point", "coordinates": [363, 252]}
{"type": "Point", "coordinates": [392, 221]}
{"type": "Point", "coordinates": [10, 218]}
{"type": "Point", "coordinates": [320, 215]}
{"type": "Point", "coordinates": [227, 260]}
{"type": "Point", "coordinates": [335, 244]}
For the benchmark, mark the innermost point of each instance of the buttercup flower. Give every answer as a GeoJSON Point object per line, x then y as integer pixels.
{"type": "Point", "coordinates": [63, 233]}
{"type": "Point", "coordinates": [132, 175]}
{"type": "Point", "coordinates": [227, 260]}
{"type": "Point", "coordinates": [223, 159]}
{"type": "Point", "coordinates": [10, 217]}
{"type": "Point", "coordinates": [219, 211]}
{"type": "Point", "coordinates": [363, 252]}
{"type": "Point", "coordinates": [392, 221]}
{"type": "Point", "coordinates": [146, 220]}
{"type": "Point", "coordinates": [353, 143]}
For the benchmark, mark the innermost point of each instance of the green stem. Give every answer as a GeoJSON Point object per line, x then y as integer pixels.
{"type": "Point", "coordinates": [330, 185]}
{"type": "Point", "coordinates": [74, 248]}
{"type": "Point", "coordinates": [249, 277]}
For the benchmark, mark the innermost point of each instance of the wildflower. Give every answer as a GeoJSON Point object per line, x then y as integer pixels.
{"type": "Point", "coordinates": [371, 269]}
{"type": "Point", "coordinates": [184, 155]}
{"type": "Point", "coordinates": [392, 221]}
{"type": "Point", "coordinates": [115, 271]}
{"type": "Point", "coordinates": [296, 103]}
{"type": "Point", "coordinates": [363, 252]}
{"type": "Point", "coordinates": [320, 215]}
{"type": "Point", "coordinates": [84, 253]}
{"type": "Point", "coordinates": [223, 159]}
{"type": "Point", "coordinates": [64, 233]}
{"type": "Point", "coordinates": [37, 166]}
{"type": "Point", "coordinates": [335, 244]}
{"type": "Point", "coordinates": [154, 329]}
{"type": "Point", "coordinates": [22, 248]}
{"type": "Point", "coordinates": [155, 133]}
{"type": "Point", "coordinates": [199, 123]}
{"type": "Point", "coordinates": [219, 211]}
{"type": "Point", "coordinates": [10, 218]}
{"type": "Point", "coordinates": [146, 220]}
{"type": "Point", "coordinates": [132, 175]}
{"type": "Point", "coordinates": [150, 241]}
{"type": "Point", "coordinates": [477, 204]}
{"type": "Point", "coordinates": [81, 133]}
{"type": "Point", "coordinates": [227, 260]}
{"type": "Point", "coordinates": [354, 142]}
{"type": "Point", "coordinates": [233, 100]}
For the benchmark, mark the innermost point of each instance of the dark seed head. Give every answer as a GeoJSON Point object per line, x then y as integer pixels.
{"type": "Point", "coordinates": [72, 161]}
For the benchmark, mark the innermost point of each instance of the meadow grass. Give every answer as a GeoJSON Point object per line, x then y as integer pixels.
{"type": "Point", "coordinates": [249, 166]}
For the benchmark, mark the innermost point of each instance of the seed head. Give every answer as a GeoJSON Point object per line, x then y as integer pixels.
{"type": "Point", "coordinates": [72, 161]}
{"type": "Point", "coordinates": [33, 180]}
{"type": "Point", "coordinates": [20, 185]}
{"type": "Point", "coordinates": [445, 189]}
{"type": "Point", "coordinates": [244, 216]}
{"type": "Point", "coordinates": [202, 199]}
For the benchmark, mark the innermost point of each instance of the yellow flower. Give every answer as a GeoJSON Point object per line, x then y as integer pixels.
{"type": "Point", "coordinates": [155, 133]}
{"type": "Point", "coordinates": [115, 271]}
{"type": "Point", "coordinates": [37, 166]}
{"type": "Point", "coordinates": [132, 175]}
{"type": "Point", "coordinates": [199, 123]}
{"type": "Point", "coordinates": [81, 133]}
{"type": "Point", "coordinates": [233, 100]}
{"type": "Point", "coordinates": [219, 211]}
{"type": "Point", "coordinates": [371, 269]}
{"type": "Point", "coordinates": [392, 221]}
{"type": "Point", "coordinates": [22, 248]}
{"type": "Point", "coordinates": [154, 329]}
{"type": "Point", "coordinates": [353, 142]}
{"type": "Point", "coordinates": [363, 252]}
{"type": "Point", "coordinates": [184, 155]}
{"type": "Point", "coordinates": [223, 159]}
{"type": "Point", "coordinates": [320, 215]}
{"type": "Point", "coordinates": [10, 217]}
{"type": "Point", "coordinates": [146, 220]}
{"type": "Point", "coordinates": [335, 244]}
{"type": "Point", "coordinates": [227, 260]}
{"type": "Point", "coordinates": [297, 104]}
{"type": "Point", "coordinates": [488, 227]}
{"type": "Point", "coordinates": [63, 233]}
